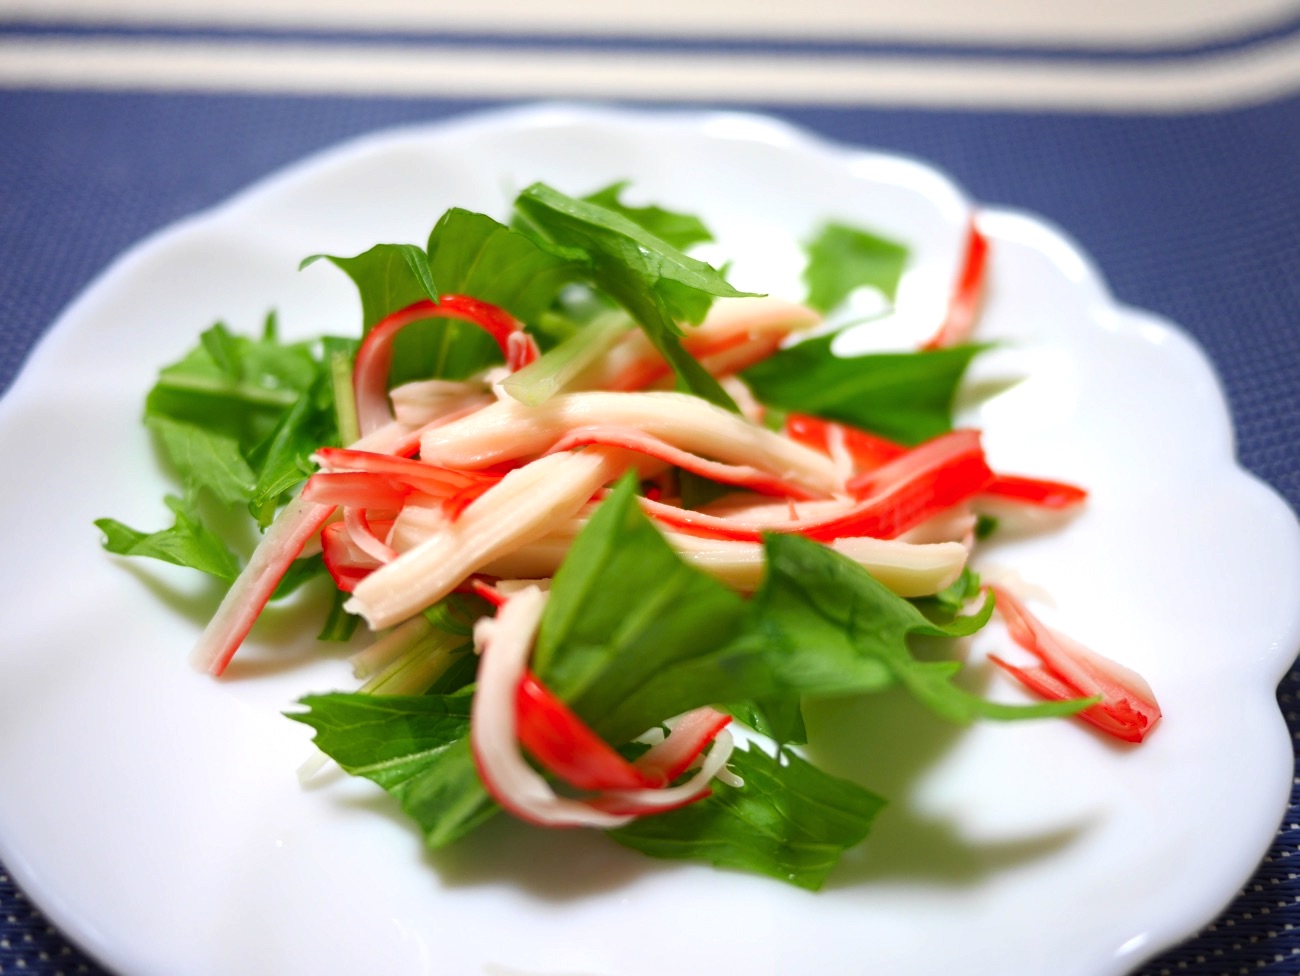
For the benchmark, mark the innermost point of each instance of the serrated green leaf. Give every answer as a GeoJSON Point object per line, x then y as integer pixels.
{"type": "Point", "coordinates": [843, 258]}
{"type": "Point", "coordinates": [789, 821]}
{"type": "Point", "coordinates": [186, 543]}
{"type": "Point", "coordinates": [906, 396]}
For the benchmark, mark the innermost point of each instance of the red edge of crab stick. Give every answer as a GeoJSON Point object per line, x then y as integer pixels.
{"type": "Point", "coordinates": [375, 354]}
{"type": "Point", "coordinates": [869, 451]}
{"type": "Point", "coordinates": [566, 746]}
{"type": "Point", "coordinates": [889, 500]}
{"type": "Point", "coordinates": [1127, 709]}
{"type": "Point", "coordinates": [963, 309]}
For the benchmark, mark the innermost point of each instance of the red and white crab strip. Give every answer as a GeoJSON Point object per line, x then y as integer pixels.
{"type": "Point", "coordinates": [504, 643]}
{"type": "Point", "coordinates": [897, 496]}
{"type": "Point", "coordinates": [521, 507]}
{"type": "Point", "coordinates": [508, 430]}
{"type": "Point", "coordinates": [968, 292]}
{"type": "Point", "coordinates": [1127, 708]}
{"type": "Point", "coordinates": [906, 568]}
{"type": "Point", "coordinates": [736, 334]}
{"type": "Point", "coordinates": [375, 354]}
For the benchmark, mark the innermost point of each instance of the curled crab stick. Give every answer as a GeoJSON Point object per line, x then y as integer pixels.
{"type": "Point", "coordinates": [1038, 492]}
{"type": "Point", "coordinates": [508, 430]}
{"type": "Point", "coordinates": [522, 506]}
{"type": "Point", "coordinates": [375, 354]}
{"type": "Point", "coordinates": [294, 528]}
{"type": "Point", "coordinates": [511, 708]}
{"type": "Point", "coordinates": [687, 737]}
{"type": "Point", "coordinates": [907, 568]}
{"type": "Point", "coordinates": [347, 562]}
{"type": "Point", "coordinates": [504, 643]}
{"type": "Point", "coordinates": [295, 525]}
{"type": "Point", "coordinates": [566, 746]}
{"type": "Point", "coordinates": [866, 451]}
{"type": "Point", "coordinates": [1067, 670]}
{"type": "Point", "coordinates": [414, 403]}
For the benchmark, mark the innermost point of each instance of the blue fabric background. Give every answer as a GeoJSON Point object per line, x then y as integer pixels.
{"type": "Point", "coordinates": [1192, 216]}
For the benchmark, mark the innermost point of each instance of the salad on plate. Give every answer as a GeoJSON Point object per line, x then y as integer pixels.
{"type": "Point", "coordinates": [609, 522]}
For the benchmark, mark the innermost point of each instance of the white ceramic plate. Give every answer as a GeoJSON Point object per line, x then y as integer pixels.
{"type": "Point", "coordinates": [154, 813]}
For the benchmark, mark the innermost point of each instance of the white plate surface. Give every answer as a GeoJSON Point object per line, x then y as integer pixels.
{"type": "Point", "coordinates": [154, 813]}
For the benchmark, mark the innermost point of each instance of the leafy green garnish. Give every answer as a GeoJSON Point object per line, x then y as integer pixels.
{"type": "Point", "coordinates": [473, 254]}
{"type": "Point", "coordinates": [237, 418]}
{"type": "Point", "coordinates": [789, 821]}
{"type": "Point", "coordinates": [905, 396]}
{"type": "Point", "coordinates": [653, 281]}
{"type": "Point", "coordinates": [681, 230]}
{"type": "Point", "coordinates": [843, 258]}
{"type": "Point", "coordinates": [388, 277]}
{"type": "Point", "coordinates": [416, 748]}
{"type": "Point", "coordinates": [186, 543]}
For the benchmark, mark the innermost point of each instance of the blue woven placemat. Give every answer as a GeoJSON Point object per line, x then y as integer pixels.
{"type": "Point", "coordinates": [1193, 216]}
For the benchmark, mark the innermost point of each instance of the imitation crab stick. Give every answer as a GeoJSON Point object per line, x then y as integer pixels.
{"type": "Point", "coordinates": [519, 508]}
{"type": "Point", "coordinates": [504, 643]}
{"type": "Point", "coordinates": [967, 294]}
{"type": "Point", "coordinates": [736, 334]}
{"type": "Point", "coordinates": [375, 354]}
{"type": "Point", "coordinates": [1127, 708]}
{"type": "Point", "coordinates": [508, 430]}
{"type": "Point", "coordinates": [898, 496]}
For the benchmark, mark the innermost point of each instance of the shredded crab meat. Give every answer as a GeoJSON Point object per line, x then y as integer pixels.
{"type": "Point", "coordinates": [736, 333]}
{"type": "Point", "coordinates": [519, 508]}
{"type": "Point", "coordinates": [508, 430]}
{"type": "Point", "coordinates": [632, 439]}
{"type": "Point", "coordinates": [415, 404]}
{"type": "Point", "coordinates": [907, 568]}
{"type": "Point", "coordinates": [504, 643]}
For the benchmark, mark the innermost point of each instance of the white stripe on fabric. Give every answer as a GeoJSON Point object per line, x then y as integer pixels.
{"type": "Point", "coordinates": [1210, 82]}
{"type": "Point", "coordinates": [1088, 23]}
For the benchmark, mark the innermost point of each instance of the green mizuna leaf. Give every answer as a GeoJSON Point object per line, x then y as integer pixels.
{"type": "Point", "coordinates": [789, 821]}
{"type": "Point", "coordinates": [473, 254]}
{"type": "Point", "coordinates": [205, 458]}
{"type": "Point", "coordinates": [242, 397]}
{"type": "Point", "coordinates": [905, 396]}
{"type": "Point", "coordinates": [625, 609]}
{"type": "Point", "coordinates": [847, 634]}
{"type": "Point", "coordinates": [391, 277]}
{"type": "Point", "coordinates": [681, 230]}
{"type": "Point", "coordinates": [388, 277]}
{"type": "Point", "coordinates": [187, 543]}
{"type": "Point", "coordinates": [843, 258]}
{"type": "Point", "coordinates": [416, 748]}
{"type": "Point", "coordinates": [653, 281]}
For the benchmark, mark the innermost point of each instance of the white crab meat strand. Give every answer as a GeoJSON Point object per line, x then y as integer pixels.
{"type": "Point", "coordinates": [673, 796]}
{"type": "Point", "coordinates": [957, 524]}
{"type": "Point", "coordinates": [504, 643]}
{"type": "Point", "coordinates": [736, 333]}
{"type": "Point", "coordinates": [289, 536]}
{"type": "Point", "coordinates": [508, 430]}
{"type": "Point", "coordinates": [908, 569]}
{"type": "Point", "coordinates": [521, 507]}
{"type": "Point", "coordinates": [417, 403]}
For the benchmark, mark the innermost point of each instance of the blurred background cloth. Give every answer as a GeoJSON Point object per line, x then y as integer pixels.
{"type": "Point", "coordinates": [1164, 136]}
